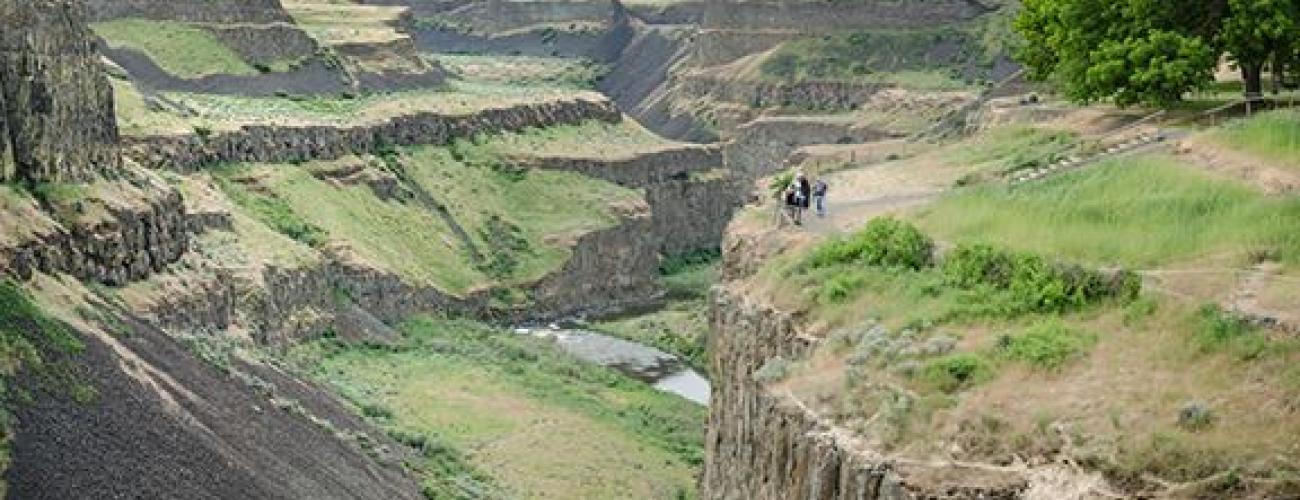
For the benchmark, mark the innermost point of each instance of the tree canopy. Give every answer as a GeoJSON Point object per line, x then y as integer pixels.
{"type": "Point", "coordinates": [1153, 51]}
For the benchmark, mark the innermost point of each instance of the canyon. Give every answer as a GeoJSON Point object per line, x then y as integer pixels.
{"type": "Point", "coordinates": [527, 249]}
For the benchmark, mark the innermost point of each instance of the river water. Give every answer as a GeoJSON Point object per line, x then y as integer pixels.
{"type": "Point", "coordinates": [664, 371]}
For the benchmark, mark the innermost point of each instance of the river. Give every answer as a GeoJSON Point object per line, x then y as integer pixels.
{"type": "Point", "coordinates": [664, 371]}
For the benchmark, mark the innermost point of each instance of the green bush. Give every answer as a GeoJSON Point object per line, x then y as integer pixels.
{"type": "Point", "coordinates": [885, 242]}
{"type": "Point", "coordinates": [957, 371]}
{"type": "Point", "coordinates": [1034, 283]}
{"type": "Point", "coordinates": [780, 182]}
{"type": "Point", "coordinates": [972, 265]}
{"type": "Point", "coordinates": [774, 370]}
{"type": "Point", "coordinates": [1047, 345]}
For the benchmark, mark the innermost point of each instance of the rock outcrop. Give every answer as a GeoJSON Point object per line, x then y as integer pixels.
{"type": "Point", "coordinates": [691, 195]}
{"type": "Point", "coordinates": [57, 105]}
{"type": "Point", "coordinates": [273, 144]}
{"type": "Point", "coordinates": [92, 216]}
{"type": "Point", "coordinates": [763, 444]}
{"type": "Point", "coordinates": [210, 11]}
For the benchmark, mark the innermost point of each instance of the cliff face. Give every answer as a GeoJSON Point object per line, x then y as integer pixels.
{"type": "Point", "coordinates": [128, 411]}
{"type": "Point", "coordinates": [764, 444]}
{"type": "Point", "coordinates": [57, 107]}
{"type": "Point", "coordinates": [271, 144]}
{"type": "Point", "coordinates": [833, 16]}
{"type": "Point", "coordinates": [213, 11]}
{"type": "Point", "coordinates": [60, 135]}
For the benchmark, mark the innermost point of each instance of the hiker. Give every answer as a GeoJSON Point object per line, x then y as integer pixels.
{"type": "Point", "coordinates": [805, 190]}
{"type": "Point", "coordinates": [819, 196]}
{"type": "Point", "coordinates": [794, 202]}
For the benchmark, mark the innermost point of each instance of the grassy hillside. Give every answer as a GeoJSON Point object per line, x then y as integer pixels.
{"type": "Point", "coordinates": [1274, 136]}
{"type": "Point", "coordinates": [1144, 211]}
{"type": "Point", "coordinates": [501, 225]}
{"type": "Point", "coordinates": [178, 48]}
{"type": "Point", "coordinates": [1022, 339]}
{"type": "Point", "coordinates": [954, 57]}
{"type": "Point", "coordinates": [523, 418]}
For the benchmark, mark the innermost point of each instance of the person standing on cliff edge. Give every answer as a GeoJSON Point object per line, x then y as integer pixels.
{"type": "Point", "coordinates": [819, 189]}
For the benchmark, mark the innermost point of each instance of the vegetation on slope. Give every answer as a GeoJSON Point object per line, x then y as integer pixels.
{"type": "Point", "coordinates": [524, 417]}
{"type": "Point", "coordinates": [1140, 211]}
{"type": "Point", "coordinates": [526, 220]}
{"type": "Point", "coordinates": [33, 342]}
{"type": "Point", "coordinates": [218, 112]}
{"type": "Point", "coordinates": [999, 353]}
{"type": "Point", "coordinates": [1273, 136]}
{"type": "Point", "coordinates": [178, 48]}
{"type": "Point", "coordinates": [525, 70]}
{"type": "Point", "coordinates": [944, 58]}
{"type": "Point", "coordinates": [522, 223]}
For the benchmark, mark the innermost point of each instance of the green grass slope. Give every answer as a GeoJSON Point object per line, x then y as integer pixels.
{"type": "Point", "coordinates": [178, 48]}
{"type": "Point", "coordinates": [524, 420]}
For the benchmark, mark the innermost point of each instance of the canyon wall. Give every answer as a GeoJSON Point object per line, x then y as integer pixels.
{"type": "Point", "coordinates": [836, 16]}
{"type": "Point", "coordinates": [120, 408]}
{"type": "Point", "coordinates": [761, 147]}
{"type": "Point", "coordinates": [763, 444]}
{"type": "Point", "coordinates": [692, 196]}
{"type": "Point", "coordinates": [275, 144]}
{"type": "Point", "coordinates": [210, 11]}
{"type": "Point", "coordinates": [61, 137]}
{"type": "Point", "coordinates": [57, 104]}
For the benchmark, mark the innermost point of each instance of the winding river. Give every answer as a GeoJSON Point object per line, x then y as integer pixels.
{"type": "Point", "coordinates": [664, 371]}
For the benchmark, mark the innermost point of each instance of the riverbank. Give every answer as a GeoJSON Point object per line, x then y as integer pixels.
{"type": "Point", "coordinates": [499, 414]}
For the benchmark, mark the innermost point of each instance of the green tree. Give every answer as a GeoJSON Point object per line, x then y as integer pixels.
{"type": "Point", "coordinates": [1259, 31]}
{"type": "Point", "coordinates": [1151, 51]}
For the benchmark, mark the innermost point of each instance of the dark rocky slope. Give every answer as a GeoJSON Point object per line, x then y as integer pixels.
{"type": "Point", "coordinates": [166, 424]}
{"type": "Point", "coordinates": [149, 418]}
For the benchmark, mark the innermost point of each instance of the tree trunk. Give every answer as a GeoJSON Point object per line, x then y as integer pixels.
{"type": "Point", "coordinates": [1275, 70]}
{"type": "Point", "coordinates": [1252, 75]}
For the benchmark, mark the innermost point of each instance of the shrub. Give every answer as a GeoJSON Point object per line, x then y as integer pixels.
{"type": "Point", "coordinates": [376, 411]}
{"type": "Point", "coordinates": [1047, 345]}
{"type": "Point", "coordinates": [1223, 330]}
{"type": "Point", "coordinates": [957, 371]}
{"type": "Point", "coordinates": [1195, 416]}
{"type": "Point", "coordinates": [780, 182]}
{"type": "Point", "coordinates": [970, 265]}
{"type": "Point", "coordinates": [840, 287]}
{"type": "Point", "coordinates": [1035, 284]}
{"type": "Point", "coordinates": [885, 242]}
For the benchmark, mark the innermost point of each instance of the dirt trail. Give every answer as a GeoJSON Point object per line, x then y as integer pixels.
{"type": "Point", "coordinates": [1249, 299]}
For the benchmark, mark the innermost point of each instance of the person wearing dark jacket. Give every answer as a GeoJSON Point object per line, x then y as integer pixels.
{"type": "Point", "coordinates": [805, 190]}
